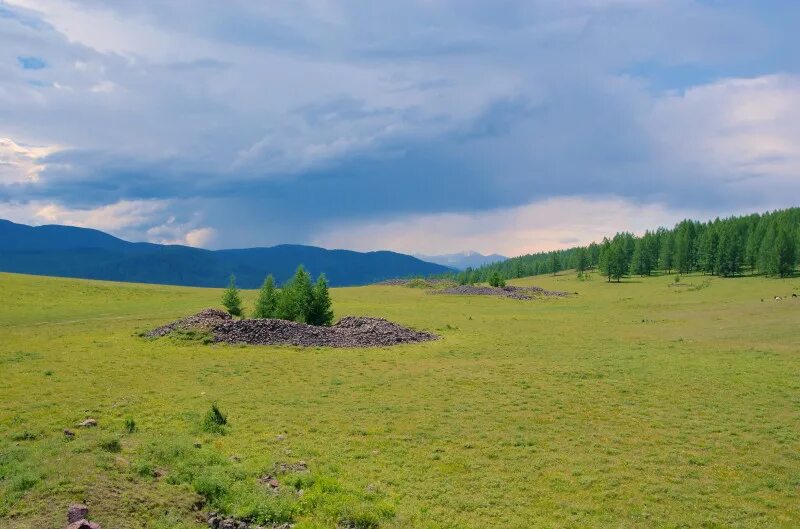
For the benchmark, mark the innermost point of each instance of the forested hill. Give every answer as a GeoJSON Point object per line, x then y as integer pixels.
{"type": "Point", "coordinates": [759, 243]}
{"type": "Point", "coordinates": [90, 254]}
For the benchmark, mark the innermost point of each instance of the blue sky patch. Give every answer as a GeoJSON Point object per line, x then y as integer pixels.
{"type": "Point", "coordinates": [31, 63]}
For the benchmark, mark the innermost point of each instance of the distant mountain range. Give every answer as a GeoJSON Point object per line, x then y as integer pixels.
{"type": "Point", "coordinates": [463, 260]}
{"type": "Point", "coordinates": [91, 254]}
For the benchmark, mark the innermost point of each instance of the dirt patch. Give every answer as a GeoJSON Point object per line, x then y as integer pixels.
{"type": "Point", "coordinates": [350, 331]}
{"type": "Point", "coordinates": [524, 293]}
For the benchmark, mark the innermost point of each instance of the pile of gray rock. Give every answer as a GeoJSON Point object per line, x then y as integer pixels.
{"type": "Point", "coordinates": [206, 319]}
{"type": "Point", "coordinates": [431, 282]}
{"type": "Point", "coordinates": [350, 331]}
{"type": "Point", "coordinates": [524, 293]}
{"type": "Point", "coordinates": [77, 517]}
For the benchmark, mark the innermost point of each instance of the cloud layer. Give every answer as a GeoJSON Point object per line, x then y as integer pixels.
{"type": "Point", "coordinates": [239, 124]}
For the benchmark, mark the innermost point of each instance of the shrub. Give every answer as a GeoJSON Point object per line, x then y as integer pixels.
{"type": "Point", "coordinates": [110, 444]}
{"type": "Point", "coordinates": [24, 482]}
{"type": "Point", "coordinates": [211, 484]}
{"type": "Point", "coordinates": [130, 425]}
{"type": "Point", "coordinates": [214, 420]}
{"type": "Point", "coordinates": [25, 436]}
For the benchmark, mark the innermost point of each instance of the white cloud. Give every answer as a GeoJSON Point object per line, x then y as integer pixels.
{"type": "Point", "coordinates": [109, 217]}
{"type": "Point", "coordinates": [101, 29]}
{"type": "Point", "coordinates": [743, 132]}
{"type": "Point", "coordinates": [546, 225]}
{"type": "Point", "coordinates": [134, 220]}
{"type": "Point", "coordinates": [103, 87]}
{"type": "Point", "coordinates": [200, 237]}
{"type": "Point", "coordinates": [20, 163]}
{"type": "Point", "coordinates": [172, 231]}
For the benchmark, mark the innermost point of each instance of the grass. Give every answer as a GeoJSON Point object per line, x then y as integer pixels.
{"type": "Point", "coordinates": [640, 404]}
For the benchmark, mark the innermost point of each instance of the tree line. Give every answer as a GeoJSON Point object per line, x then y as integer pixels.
{"type": "Point", "coordinates": [764, 244]}
{"type": "Point", "coordinates": [297, 300]}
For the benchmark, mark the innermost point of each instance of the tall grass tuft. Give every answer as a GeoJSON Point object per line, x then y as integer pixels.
{"type": "Point", "coordinates": [214, 421]}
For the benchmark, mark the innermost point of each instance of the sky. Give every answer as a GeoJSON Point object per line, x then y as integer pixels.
{"type": "Point", "coordinates": [423, 126]}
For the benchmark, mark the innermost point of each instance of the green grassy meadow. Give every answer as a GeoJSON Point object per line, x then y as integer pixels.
{"type": "Point", "coordinates": [628, 405]}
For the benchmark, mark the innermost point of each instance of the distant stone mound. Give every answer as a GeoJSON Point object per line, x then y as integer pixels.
{"type": "Point", "coordinates": [524, 293]}
{"type": "Point", "coordinates": [432, 282]}
{"type": "Point", "coordinates": [350, 331]}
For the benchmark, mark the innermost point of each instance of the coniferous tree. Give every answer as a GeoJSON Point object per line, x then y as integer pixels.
{"type": "Point", "coordinates": [295, 297]}
{"type": "Point", "coordinates": [684, 239]}
{"type": "Point", "coordinates": [555, 263]}
{"type": "Point", "coordinates": [267, 301]}
{"type": "Point", "coordinates": [231, 299]}
{"type": "Point", "coordinates": [721, 246]}
{"type": "Point", "coordinates": [665, 252]}
{"type": "Point", "coordinates": [619, 262]}
{"type": "Point", "coordinates": [729, 251]}
{"type": "Point", "coordinates": [495, 280]}
{"type": "Point", "coordinates": [751, 248]}
{"type": "Point", "coordinates": [581, 260]}
{"type": "Point", "coordinates": [707, 250]}
{"type": "Point", "coordinates": [320, 312]}
{"type": "Point", "coordinates": [767, 263]}
{"type": "Point", "coordinates": [784, 253]}
{"type": "Point", "coordinates": [594, 255]}
{"type": "Point", "coordinates": [640, 260]}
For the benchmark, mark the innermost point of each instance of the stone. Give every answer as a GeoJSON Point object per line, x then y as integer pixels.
{"type": "Point", "coordinates": [88, 423]}
{"type": "Point", "coordinates": [84, 524]}
{"type": "Point", "coordinates": [69, 434]}
{"type": "Point", "coordinates": [77, 512]}
{"type": "Point", "coordinates": [270, 481]}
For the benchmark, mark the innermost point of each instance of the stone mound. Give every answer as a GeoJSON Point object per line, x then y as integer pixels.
{"type": "Point", "coordinates": [350, 331]}
{"type": "Point", "coordinates": [206, 319]}
{"type": "Point", "coordinates": [431, 282]}
{"type": "Point", "coordinates": [524, 293]}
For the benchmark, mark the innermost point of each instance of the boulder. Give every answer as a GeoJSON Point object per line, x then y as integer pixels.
{"type": "Point", "coordinates": [77, 512]}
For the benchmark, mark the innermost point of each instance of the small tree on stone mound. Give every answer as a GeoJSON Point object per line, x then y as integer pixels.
{"type": "Point", "coordinates": [295, 297]}
{"type": "Point", "coordinates": [320, 312]}
{"type": "Point", "coordinates": [231, 299]}
{"type": "Point", "coordinates": [495, 280]}
{"type": "Point", "coordinates": [266, 304]}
